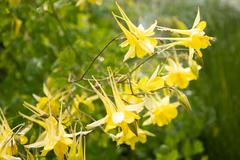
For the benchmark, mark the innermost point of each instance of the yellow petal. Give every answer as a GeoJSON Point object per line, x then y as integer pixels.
{"type": "Point", "coordinates": [34, 120]}
{"type": "Point", "coordinates": [197, 19]}
{"type": "Point", "coordinates": [60, 150]}
{"type": "Point", "coordinates": [150, 30]}
{"type": "Point", "coordinates": [155, 84]}
{"type": "Point", "coordinates": [97, 123]}
{"type": "Point", "coordinates": [202, 25]}
{"type": "Point", "coordinates": [109, 106]}
{"type": "Point", "coordinates": [130, 53]}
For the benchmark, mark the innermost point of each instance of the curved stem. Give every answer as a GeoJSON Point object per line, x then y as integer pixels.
{"type": "Point", "coordinates": [95, 58]}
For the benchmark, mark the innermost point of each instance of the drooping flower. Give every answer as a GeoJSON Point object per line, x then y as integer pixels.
{"type": "Point", "coordinates": [8, 138]}
{"type": "Point", "coordinates": [194, 38]}
{"type": "Point", "coordinates": [150, 84]}
{"type": "Point", "coordinates": [127, 136]}
{"type": "Point", "coordinates": [77, 150]}
{"type": "Point", "coordinates": [118, 112]}
{"type": "Point", "coordinates": [54, 137]}
{"type": "Point", "coordinates": [129, 97]}
{"type": "Point", "coordinates": [177, 75]}
{"type": "Point", "coordinates": [49, 101]}
{"type": "Point", "coordinates": [139, 39]}
{"type": "Point", "coordinates": [160, 111]}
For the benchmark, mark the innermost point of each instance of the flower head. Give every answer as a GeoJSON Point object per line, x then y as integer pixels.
{"type": "Point", "coordinates": [118, 112]}
{"type": "Point", "coordinates": [194, 38]}
{"type": "Point", "coordinates": [150, 84]}
{"type": "Point", "coordinates": [177, 75]}
{"type": "Point", "coordinates": [54, 137]}
{"type": "Point", "coordinates": [77, 149]}
{"type": "Point", "coordinates": [161, 111]}
{"type": "Point", "coordinates": [127, 136]}
{"type": "Point", "coordinates": [8, 138]}
{"type": "Point", "coordinates": [49, 101]}
{"type": "Point", "coordinates": [139, 39]}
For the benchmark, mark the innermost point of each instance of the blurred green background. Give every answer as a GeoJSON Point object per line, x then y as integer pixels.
{"type": "Point", "coordinates": [48, 40]}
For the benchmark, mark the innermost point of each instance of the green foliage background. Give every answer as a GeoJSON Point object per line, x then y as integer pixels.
{"type": "Point", "coordinates": [53, 44]}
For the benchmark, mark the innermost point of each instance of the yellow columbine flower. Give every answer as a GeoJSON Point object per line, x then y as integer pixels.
{"type": "Point", "coordinates": [127, 136]}
{"type": "Point", "coordinates": [77, 150]}
{"type": "Point", "coordinates": [139, 39]}
{"type": "Point", "coordinates": [48, 101]}
{"type": "Point", "coordinates": [196, 38]}
{"type": "Point", "coordinates": [129, 97]}
{"type": "Point", "coordinates": [118, 112]}
{"type": "Point", "coordinates": [150, 84]}
{"type": "Point", "coordinates": [54, 137]}
{"type": "Point", "coordinates": [177, 75]}
{"type": "Point", "coordinates": [8, 139]}
{"type": "Point", "coordinates": [161, 111]}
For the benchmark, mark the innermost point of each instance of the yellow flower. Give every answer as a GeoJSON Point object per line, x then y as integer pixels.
{"type": "Point", "coordinates": [127, 136]}
{"type": "Point", "coordinates": [129, 97]}
{"type": "Point", "coordinates": [150, 84]}
{"type": "Point", "coordinates": [161, 111]}
{"type": "Point", "coordinates": [196, 38]}
{"type": "Point", "coordinates": [48, 101]}
{"type": "Point", "coordinates": [118, 112]}
{"type": "Point", "coordinates": [78, 149]}
{"type": "Point", "coordinates": [139, 39]}
{"type": "Point", "coordinates": [54, 137]}
{"type": "Point", "coordinates": [177, 75]}
{"type": "Point", "coordinates": [8, 139]}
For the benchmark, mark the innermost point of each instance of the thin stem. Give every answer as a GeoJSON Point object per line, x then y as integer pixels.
{"type": "Point", "coordinates": [143, 62]}
{"type": "Point", "coordinates": [95, 58]}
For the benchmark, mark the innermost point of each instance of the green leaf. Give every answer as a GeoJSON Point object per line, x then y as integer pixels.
{"type": "Point", "coordinates": [197, 147]}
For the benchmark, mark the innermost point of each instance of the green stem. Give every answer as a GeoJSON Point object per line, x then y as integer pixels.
{"type": "Point", "coordinates": [95, 58]}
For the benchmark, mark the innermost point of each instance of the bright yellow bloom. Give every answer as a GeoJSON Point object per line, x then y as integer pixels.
{"type": "Point", "coordinates": [54, 137]}
{"type": "Point", "coordinates": [150, 84]}
{"type": "Point", "coordinates": [78, 149]}
{"type": "Point", "coordinates": [117, 113]}
{"type": "Point", "coordinates": [8, 139]}
{"type": "Point", "coordinates": [196, 38]}
{"type": "Point", "coordinates": [129, 97]}
{"type": "Point", "coordinates": [128, 137]}
{"type": "Point", "coordinates": [177, 75]}
{"type": "Point", "coordinates": [7, 143]}
{"type": "Point", "coordinates": [139, 39]}
{"type": "Point", "coordinates": [49, 101]}
{"type": "Point", "coordinates": [161, 111]}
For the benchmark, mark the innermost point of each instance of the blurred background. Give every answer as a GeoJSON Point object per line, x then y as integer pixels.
{"type": "Point", "coordinates": [45, 41]}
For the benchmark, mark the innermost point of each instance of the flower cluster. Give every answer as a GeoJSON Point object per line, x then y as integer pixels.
{"type": "Point", "coordinates": [135, 100]}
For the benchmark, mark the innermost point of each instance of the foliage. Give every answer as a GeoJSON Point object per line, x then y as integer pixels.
{"type": "Point", "coordinates": [52, 43]}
